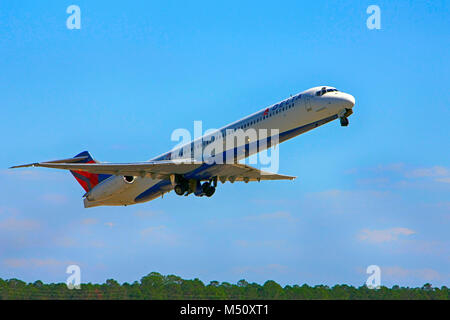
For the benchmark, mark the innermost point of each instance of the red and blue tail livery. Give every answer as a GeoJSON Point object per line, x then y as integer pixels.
{"type": "Point", "coordinates": [86, 179]}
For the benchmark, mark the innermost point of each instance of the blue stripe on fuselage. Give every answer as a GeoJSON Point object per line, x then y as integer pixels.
{"type": "Point", "coordinates": [201, 172]}
{"type": "Point", "coordinates": [152, 191]}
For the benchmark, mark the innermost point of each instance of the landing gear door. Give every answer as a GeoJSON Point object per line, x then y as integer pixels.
{"type": "Point", "coordinates": [307, 103]}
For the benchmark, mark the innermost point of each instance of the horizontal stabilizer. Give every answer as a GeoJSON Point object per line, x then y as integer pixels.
{"type": "Point", "coordinates": [37, 164]}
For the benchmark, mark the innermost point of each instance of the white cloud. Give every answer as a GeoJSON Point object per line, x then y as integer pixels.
{"type": "Point", "coordinates": [399, 273]}
{"type": "Point", "coordinates": [436, 171]}
{"type": "Point", "coordinates": [347, 202]}
{"type": "Point", "coordinates": [30, 174]}
{"type": "Point", "coordinates": [148, 213]}
{"type": "Point", "coordinates": [426, 247]}
{"type": "Point", "coordinates": [409, 174]}
{"type": "Point", "coordinates": [391, 167]}
{"type": "Point", "coordinates": [379, 236]}
{"type": "Point", "coordinates": [152, 230]}
{"type": "Point", "coordinates": [35, 263]}
{"type": "Point", "coordinates": [22, 174]}
{"type": "Point", "coordinates": [444, 180]}
{"type": "Point", "coordinates": [65, 242]}
{"type": "Point", "coordinates": [17, 225]}
{"type": "Point", "coordinates": [89, 221]}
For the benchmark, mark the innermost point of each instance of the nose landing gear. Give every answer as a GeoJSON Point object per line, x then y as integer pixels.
{"type": "Point", "coordinates": [344, 121]}
{"type": "Point", "coordinates": [343, 116]}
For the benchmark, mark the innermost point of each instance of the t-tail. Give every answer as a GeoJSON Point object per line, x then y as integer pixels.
{"type": "Point", "coordinates": [88, 180]}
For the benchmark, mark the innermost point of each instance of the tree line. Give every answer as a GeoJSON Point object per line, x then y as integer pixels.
{"type": "Point", "coordinates": [157, 286]}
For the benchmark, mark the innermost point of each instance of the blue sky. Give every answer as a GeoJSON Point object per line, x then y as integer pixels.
{"type": "Point", "coordinates": [376, 192]}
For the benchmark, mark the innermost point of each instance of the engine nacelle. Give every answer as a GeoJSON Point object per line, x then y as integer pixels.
{"type": "Point", "coordinates": [110, 187]}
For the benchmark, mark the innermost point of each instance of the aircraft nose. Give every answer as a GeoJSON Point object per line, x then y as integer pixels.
{"type": "Point", "coordinates": [349, 100]}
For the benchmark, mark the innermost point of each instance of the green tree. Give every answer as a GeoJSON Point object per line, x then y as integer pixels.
{"type": "Point", "coordinates": [272, 290]}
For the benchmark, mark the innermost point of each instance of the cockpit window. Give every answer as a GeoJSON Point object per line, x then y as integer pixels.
{"type": "Point", "coordinates": [325, 90]}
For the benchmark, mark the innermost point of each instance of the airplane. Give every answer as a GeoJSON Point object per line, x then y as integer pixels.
{"type": "Point", "coordinates": [186, 170]}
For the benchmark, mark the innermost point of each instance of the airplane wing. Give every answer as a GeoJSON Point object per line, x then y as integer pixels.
{"type": "Point", "coordinates": [164, 169]}
{"type": "Point", "coordinates": [240, 172]}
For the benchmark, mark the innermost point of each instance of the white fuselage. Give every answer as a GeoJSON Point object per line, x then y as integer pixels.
{"type": "Point", "coordinates": [290, 117]}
